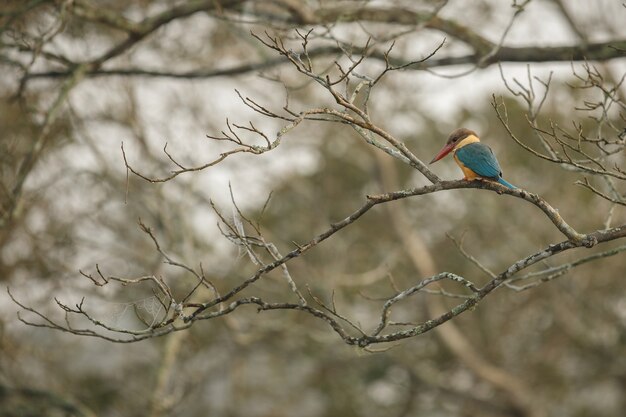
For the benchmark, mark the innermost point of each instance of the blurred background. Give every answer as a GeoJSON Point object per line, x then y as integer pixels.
{"type": "Point", "coordinates": [80, 78]}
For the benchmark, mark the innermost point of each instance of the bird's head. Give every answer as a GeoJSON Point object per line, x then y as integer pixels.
{"type": "Point", "coordinates": [457, 138]}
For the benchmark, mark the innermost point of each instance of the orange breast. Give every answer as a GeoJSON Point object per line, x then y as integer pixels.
{"type": "Point", "coordinates": [469, 174]}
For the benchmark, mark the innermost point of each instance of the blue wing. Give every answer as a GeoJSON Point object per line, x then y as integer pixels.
{"type": "Point", "coordinates": [479, 158]}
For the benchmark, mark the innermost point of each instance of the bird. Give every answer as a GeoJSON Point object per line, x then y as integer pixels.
{"type": "Point", "coordinates": [477, 160]}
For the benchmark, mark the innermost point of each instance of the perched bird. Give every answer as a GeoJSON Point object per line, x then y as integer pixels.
{"type": "Point", "coordinates": [476, 159]}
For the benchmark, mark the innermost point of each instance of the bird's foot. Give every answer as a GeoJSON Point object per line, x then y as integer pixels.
{"type": "Point", "coordinates": [485, 181]}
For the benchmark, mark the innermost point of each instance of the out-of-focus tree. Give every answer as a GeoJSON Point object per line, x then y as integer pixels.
{"type": "Point", "coordinates": [331, 108]}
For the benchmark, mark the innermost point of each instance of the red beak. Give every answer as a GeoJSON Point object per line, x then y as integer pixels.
{"type": "Point", "coordinates": [443, 152]}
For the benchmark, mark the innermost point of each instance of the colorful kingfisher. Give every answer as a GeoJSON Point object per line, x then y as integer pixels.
{"type": "Point", "coordinates": [476, 159]}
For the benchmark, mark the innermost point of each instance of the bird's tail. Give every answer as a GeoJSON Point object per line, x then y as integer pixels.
{"type": "Point", "coordinates": [506, 183]}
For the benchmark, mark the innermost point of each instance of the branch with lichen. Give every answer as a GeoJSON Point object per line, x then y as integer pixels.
{"type": "Point", "coordinates": [344, 84]}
